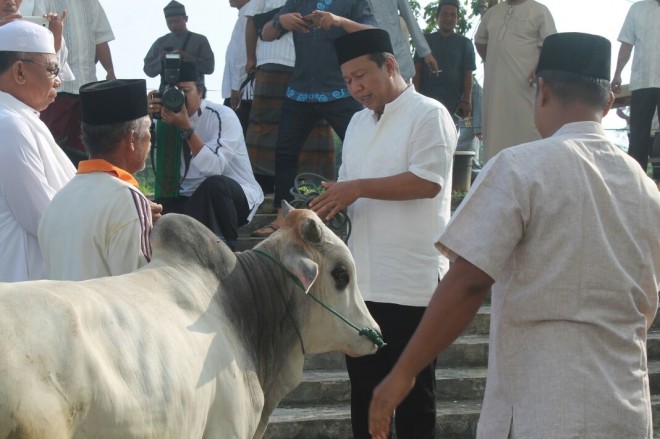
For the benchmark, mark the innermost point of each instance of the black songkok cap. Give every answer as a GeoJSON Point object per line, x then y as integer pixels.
{"type": "Point", "coordinates": [188, 72]}
{"type": "Point", "coordinates": [114, 101]}
{"type": "Point", "coordinates": [363, 42]}
{"type": "Point", "coordinates": [574, 52]}
{"type": "Point", "coordinates": [174, 8]}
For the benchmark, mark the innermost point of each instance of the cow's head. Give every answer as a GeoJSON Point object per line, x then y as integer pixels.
{"type": "Point", "coordinates": [325, 268]}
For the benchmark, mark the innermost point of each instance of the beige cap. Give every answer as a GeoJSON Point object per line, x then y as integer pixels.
{"type": "Point", "coordinates": [24, 36]}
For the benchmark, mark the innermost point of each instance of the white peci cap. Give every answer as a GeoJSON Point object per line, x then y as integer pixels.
{"type": "Point", "coordinates": [24, 36]}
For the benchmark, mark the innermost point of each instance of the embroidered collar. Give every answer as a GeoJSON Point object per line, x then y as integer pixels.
{"type": "Point", "coordinates": [100, 165]}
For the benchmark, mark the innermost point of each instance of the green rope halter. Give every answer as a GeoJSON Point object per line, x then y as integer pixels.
{"type": "Point", "coordinates": [373, 335]}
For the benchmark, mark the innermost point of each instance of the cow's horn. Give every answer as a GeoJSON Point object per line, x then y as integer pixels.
{"type": "Point", "coordinates": [286, 208]}
{"type": "Point", "coordinates": [311, 231]}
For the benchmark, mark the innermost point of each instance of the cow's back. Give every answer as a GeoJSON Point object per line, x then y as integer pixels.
{"type": "Point", "coordinates": [128, 351]}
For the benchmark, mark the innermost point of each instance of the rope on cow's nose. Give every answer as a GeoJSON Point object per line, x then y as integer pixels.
{"type": "Point", "coordinates": [306, 187]}
{"type": "Point", "coordinates": [374, 336]}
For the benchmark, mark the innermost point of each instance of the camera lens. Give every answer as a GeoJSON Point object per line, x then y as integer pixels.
{"type": "Point", "coordinates": [173, 99]}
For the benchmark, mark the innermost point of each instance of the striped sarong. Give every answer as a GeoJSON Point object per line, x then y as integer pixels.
{"type": "Point", "coordinates": [318, 152]}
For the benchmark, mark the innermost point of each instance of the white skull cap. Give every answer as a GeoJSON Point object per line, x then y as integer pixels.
{"type": "Point", "coordinates": [25, 36]}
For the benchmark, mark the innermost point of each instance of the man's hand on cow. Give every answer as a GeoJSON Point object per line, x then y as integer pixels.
{"type": "Point", "coordinates": [338, 196]}
{"type": "Point", "coordinates": [385, 398]}
{"type": "Point", "coordinates": [156, 211]}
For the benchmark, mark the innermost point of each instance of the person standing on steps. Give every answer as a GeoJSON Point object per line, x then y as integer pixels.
{"type": "Point", "coordinates": [574, 265]}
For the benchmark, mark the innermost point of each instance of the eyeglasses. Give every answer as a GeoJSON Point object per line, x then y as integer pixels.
{"type": "Point", "coordinates": [53, 71]}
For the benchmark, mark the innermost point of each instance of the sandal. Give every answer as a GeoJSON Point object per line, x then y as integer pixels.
{"type": "Point", "coordinates": [265, 231]}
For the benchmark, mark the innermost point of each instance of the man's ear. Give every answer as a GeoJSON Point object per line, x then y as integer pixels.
{"type": "Point", "coordinates": [542, 92]}
{"type": "Point", "coordinates": [610, 101]}
{"type": "Point", "coordinates": [390, 65]}
{"type": "Point", "coordinates": [18, 73]}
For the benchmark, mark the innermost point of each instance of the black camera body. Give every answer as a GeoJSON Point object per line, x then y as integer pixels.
{"type": "Point", "coordinates": [172, 97]}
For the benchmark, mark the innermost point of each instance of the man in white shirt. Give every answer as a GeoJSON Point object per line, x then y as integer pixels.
{"type": "Point", "coordinates": [395, 181]}
{"type": "Point", "coordinates": [235, 75]}
{"type": "Point", "coordinates": [214, 181]}
{"type": "Point", "coordinates": [32, 166]}
{"type": "Point", "coordinates": [99, 223]}
{"type": "Point", "coordinates": [571, 248]}
{"type": "Point", "coordinates": [640, 30]}
{"type": "Point", "coordinates": [87, 32]}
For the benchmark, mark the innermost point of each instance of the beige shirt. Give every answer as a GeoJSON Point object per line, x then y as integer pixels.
{"type": "Point", "coordinates": [563, 226]}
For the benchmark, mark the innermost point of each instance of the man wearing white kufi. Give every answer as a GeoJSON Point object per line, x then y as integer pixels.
{"type": "Point", "coordinates": [32, 166]}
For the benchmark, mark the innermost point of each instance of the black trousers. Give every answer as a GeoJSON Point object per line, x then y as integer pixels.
{"type": "Point", "coordinates": [643, 104]}
{"type": "Point", "coordinates": [219, 203]}
{"type": "Point", "coordinates": [296, 123]}
{"type": "Point", "coordinates": [415, 416]}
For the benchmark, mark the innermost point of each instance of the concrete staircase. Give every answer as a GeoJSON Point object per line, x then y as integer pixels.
{"type": "Point", "coordinates": [319, 408]}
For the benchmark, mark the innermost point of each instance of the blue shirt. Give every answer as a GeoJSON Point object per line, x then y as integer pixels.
{"type": "Point", "coordinates": [316, 74]}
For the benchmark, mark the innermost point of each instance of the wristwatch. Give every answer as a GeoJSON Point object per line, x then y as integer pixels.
{"type": "Point", "coordinates": [276, 23]}
{"type": "Point", "coordinates": [186, 134]}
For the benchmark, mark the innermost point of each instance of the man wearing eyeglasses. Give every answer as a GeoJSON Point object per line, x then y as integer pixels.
{"type": "Point", "coordinates": [32, 166]}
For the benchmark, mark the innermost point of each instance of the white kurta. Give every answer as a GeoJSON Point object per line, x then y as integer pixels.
{"type": "Point", "coordinates": [562, 225]}
{"type": "Point", "coordinates": [97, 225]}
{"type": "Point", "coordinates": [392, 241]}
{"type": "Point", "coordinates": [514, 36]}
{"type": "Point", "coordinates": [32, 169]}
{"type": "Point", "coordinates": [224, 153]}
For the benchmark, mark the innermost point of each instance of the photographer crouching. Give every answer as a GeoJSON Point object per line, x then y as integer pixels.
{"type": "Point", "coordinates": [202, 167]}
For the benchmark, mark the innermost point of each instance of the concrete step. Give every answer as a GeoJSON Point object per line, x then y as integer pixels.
{"type": "Point", "coordinates": [455, 420]}
{"type": "Point", "coordinates": [332, 387]}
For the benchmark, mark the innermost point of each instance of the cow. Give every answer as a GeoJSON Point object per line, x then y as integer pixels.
{"type": "Point", "coordinates": [200, 343]}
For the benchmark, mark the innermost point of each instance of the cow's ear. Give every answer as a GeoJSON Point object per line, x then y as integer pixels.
{"type": "Point", "coordinates": [305, 270]}
{"type": "Point", "coordinates": [286, 208]}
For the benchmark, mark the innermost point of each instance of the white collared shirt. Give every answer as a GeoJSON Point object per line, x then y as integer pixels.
{"type": "Point", "coordinates": [235, 57]}
{"type": "Point", "coordinates": [86, 26]}
{"type": "Point", "coordinates": [392, 241]}
{"type": "Point", "coordinates": [279, 51]}
{"type": "Point", "coordinates": [640, 29]}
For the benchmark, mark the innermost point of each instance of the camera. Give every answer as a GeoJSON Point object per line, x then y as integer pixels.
{"type": "Point", "coordinates": [172, 97]}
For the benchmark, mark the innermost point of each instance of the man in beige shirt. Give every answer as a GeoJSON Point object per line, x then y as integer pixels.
{"type": "Point", "coordinates": [573, 261]}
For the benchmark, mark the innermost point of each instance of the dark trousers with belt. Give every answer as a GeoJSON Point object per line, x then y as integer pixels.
{"type": "Point", "coordinates": [297, 122]}
{"type": "Point", "coordinates": [219, 203]}
{"type": "Point", "coordinates": [643, 104]}
{"type": "Point", "coordinates": [415, 416]}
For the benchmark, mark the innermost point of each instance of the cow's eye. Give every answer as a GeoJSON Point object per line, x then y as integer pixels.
{"type": "Point", "coordinates": [341, 277]}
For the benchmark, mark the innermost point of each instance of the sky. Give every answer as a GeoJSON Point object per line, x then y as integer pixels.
{"type": "Point", "coordinates": [137, 24]}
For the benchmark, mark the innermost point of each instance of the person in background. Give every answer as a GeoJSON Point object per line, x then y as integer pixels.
{"type": "Point", "coordinates": [509, 40]}
{"type": "Point", "coordinates": [214, 181]}
{"type": "Point", "coordinates": [573, 260]}
{"type": "Point", "coordinates": [191, 47]}
{"type": "Point", "coordinates": [87, 32]}
{"type": "Point", "coordinates": [389, 14]}
{"type": "Point", "coordinates": [10, 10]}
{"type": "Point", "coordinates": [395, 182]}
{"type": "Point", "coordinates": [640, 31]}
{"type": "Point", "coordinates": [316, 89]}
{"type": "Point", "coordinates": [100, 217]}
{"type": "Point", "coordinates": [451, 85]}
{"type": "Point", "coordinates": [32, 166]}
{"type": "Point", "coordinates": [235, 96]}
{"type": "Point", "coordinates": [272, 63]}
{"type": "Point", "coordinates": [469, 129]}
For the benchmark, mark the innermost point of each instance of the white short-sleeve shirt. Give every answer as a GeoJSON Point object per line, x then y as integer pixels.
{"type": "Point", "coordinates": [641, 30]}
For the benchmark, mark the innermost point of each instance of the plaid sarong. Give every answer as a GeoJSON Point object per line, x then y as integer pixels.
{"type": "Point", "coordinates": [318, 152]}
